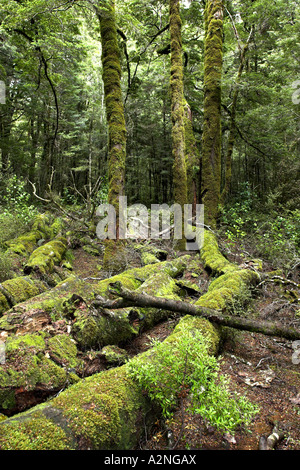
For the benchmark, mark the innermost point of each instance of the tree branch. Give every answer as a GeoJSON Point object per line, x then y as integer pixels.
{"type": "Point", "coordinates": [144, 300]}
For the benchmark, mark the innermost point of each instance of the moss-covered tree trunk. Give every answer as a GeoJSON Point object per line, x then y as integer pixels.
{"type": "Point", "coordinates": [177, 111]}
{"type": "Point", "coordinates": [116, 127]}
{"type": "Point", "coordinates": [211, 144]}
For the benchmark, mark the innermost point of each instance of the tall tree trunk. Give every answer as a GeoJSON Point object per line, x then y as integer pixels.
{"type": "Point", "coordinates": [113, 260]}
{"type": "Point", "coordinates": [114, 103]}
{"type": "Point", "coordinates": [211, 148]}
{"type": "Point", "coordinates": [232, 134]}
{"type": "Point", "coordinates": [177, 111]}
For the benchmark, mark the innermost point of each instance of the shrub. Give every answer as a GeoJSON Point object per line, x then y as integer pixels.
{"type": "Point", "coordinates": [186, 366]}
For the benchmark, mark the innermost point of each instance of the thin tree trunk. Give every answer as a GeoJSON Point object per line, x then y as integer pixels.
{"type": "Point", "coordinates": [177, 111]}
{"type": "Point", "coordinates": [114, 256]}
{"type": "Point", "coordinates": [114, 104]}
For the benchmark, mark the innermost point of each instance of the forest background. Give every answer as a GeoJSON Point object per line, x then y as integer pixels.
{"type": "Point", "coordinates": [53, 125]}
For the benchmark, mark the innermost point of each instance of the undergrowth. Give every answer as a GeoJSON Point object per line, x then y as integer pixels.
{"type": "Point", "coordinates": [186, 368]}
{"type": "Point", "coordinates": [271, 232]}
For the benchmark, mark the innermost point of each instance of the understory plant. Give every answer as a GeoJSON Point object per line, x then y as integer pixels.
{"type": "Point", "coordinates": [185, 367]}
{"type": "Point", "coordinates": [271, 232]}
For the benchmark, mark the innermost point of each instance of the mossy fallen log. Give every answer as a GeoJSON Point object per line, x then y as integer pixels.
{"type": "Point", "coordinates": [43, 228]}
{"type": "Point", "coordinates": [105, 411]}
{"type": "Point", "coordinates": [45, 257]}
{"type": "Point", "coordinates": [69, 305]}
{"type": "Point", "coordinates": [19, 289]}
{"type": "Point", "coordinates": [42, 261]}
{"type": "Point", "coordinates": [36, 366]}
{"type": "Point", "coordinates": [93, 326]}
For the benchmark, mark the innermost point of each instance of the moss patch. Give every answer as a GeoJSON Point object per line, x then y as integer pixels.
{"type": "Point", "coordinates": [44, 258]}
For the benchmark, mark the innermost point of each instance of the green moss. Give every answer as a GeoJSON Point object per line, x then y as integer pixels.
{"type": "Point", "coordinates": [64, 349]}
{"type": "Point", "coordinates": [213, 260]}
{"type": "Point", "coordinates": [115, 256]}
{"type": "Point", "coordinates": [16, 343]}
{"type": "Point", "coordinates": [114, 109]}
{"type": "Point", "coordinates": [160, 285]}
{"type": "Point", "coordinates": [211, 137]}
{"type": "Point", "coordinates": [103, 409]}
{"type": "Point", "coordinates": [148, 258]}
{"type": "Point", "coordinates": [92, 331]}
{"type": "Point", "coordinates": [114, 355]}
{"type": "Point", "coordinates": [4, 305]}
{"type": "Point", "coordinates": [25, 244]}
{"type": "Point", "coordinates": [226, 289]}
{"type": "Point", "coordinates": [36, 432]}
{"type": "Point", "coordinates": [22, 288]}
{"type": "Point", "coordinates": [210, 332]}
{"type": "Point", "coordinates": [27, 368]}
{"type": "Point", "coordinates": [55, 301]}
{"type": "Point", "coordinates": [44, 258]}
{"type": "Point", "coordinates": [177, 113]}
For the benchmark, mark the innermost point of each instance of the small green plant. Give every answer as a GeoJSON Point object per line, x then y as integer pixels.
{"type": "Point", "coordinates": [16, 201]}
{"type": "Point", "coordinates": [177, 368]}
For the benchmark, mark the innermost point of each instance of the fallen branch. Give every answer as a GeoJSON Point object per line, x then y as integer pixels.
{"type": "Point", "coordinates": [143, 300]}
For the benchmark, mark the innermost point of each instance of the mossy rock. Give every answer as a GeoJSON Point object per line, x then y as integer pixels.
{"type": "Point", "coordinates": [148, 258]}
{"type": "Point", "coordinates": [151, 254]}
{"type": "Point", "coordinates": [91, 250]}
{"type": "Point", "coordinates": [25, 244]}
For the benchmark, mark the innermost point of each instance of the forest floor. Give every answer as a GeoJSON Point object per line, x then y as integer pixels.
{"type": "Point", "coordinates": [259, 367]}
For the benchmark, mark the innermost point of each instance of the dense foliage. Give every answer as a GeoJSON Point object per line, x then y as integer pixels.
{"type": "Point", "coordinates": [53, 128]}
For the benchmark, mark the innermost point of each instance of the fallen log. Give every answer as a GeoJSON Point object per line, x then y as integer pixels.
{"type": "Point", "coordinates": [108, 410]}
{"type": "Point", "coordinates": [136, 299]}
{"type": "Point", "coordinates": [44, 258]}
{"type": "Point", "coordinates": [72, 299]}
{"type": "Point", "coordinates": [40, 265]}
{"type": "Point", "coordinates": [43, 228]}
{"type": "Point", "coordinates": [68, 309]}
{"type": "Point", "coordinates": [105, 411]}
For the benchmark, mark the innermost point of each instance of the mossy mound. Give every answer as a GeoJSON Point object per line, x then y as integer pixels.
{"type": "Point", "coordinates": [35, 366]}
{"type": "Point", "coordinates": [44, 258]}
{"type": "Point", "coordinates": [43, 228]}
{"type": "Point", "coordinates": [105, 411]}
